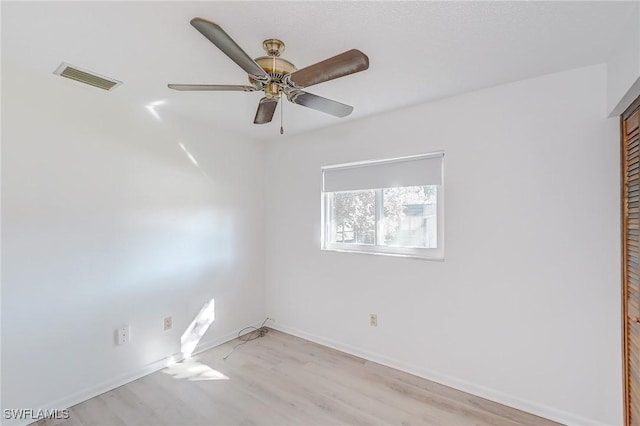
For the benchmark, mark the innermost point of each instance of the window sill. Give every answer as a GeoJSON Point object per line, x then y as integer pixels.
{"type": "Point", "coordinates": [378, 252]}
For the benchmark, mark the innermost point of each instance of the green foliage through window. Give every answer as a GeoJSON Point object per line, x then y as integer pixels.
{"type": "Point", "coordinates": [400, 217]}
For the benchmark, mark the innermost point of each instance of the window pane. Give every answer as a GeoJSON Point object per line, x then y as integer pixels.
{"type": "Point", "coordinates": [353, 217]}
{"type": "Point", "coordinates": [410, 216]}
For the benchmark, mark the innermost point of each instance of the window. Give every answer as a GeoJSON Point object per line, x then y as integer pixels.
{"type": "Point", "coordinates": [392, 207]}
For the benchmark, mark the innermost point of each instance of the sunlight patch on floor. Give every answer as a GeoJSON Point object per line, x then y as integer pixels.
{"type": "Point", "coordinates": [193, 370]}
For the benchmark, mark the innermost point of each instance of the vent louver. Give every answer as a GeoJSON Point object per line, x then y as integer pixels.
{"type": "Point", "coordinates": [87, 77]}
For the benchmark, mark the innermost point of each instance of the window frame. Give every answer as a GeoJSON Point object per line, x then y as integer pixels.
{"type": "Point", "coordinates": [378, 248]}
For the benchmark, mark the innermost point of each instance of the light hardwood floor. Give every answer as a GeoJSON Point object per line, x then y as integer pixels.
{"type": "Point", "coordinates": [280, 379]}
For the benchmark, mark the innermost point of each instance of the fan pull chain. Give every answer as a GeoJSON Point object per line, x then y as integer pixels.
{"type": "Point", "coordinates": [282, 116]}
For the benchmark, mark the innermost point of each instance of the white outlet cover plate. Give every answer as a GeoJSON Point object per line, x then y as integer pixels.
{"type": "Point", "coordinates": [124, 334]}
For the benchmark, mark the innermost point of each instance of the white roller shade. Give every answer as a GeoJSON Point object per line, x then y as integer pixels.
{"type": "Point", "coordinates": [409, 171]}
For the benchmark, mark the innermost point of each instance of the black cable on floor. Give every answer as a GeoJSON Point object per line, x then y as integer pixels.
{"type": "Point", "coordinates": [256, 333]}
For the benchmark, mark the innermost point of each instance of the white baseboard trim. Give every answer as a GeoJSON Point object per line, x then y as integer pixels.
{"type": "Point", "coordinates": [106, 386]}
{"type": "Point", "coordinates": [453, 382]}
{"type": "Point", "coordinates": [463, 385]}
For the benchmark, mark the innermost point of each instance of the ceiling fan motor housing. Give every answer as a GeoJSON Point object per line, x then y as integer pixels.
{"type": "Point", "coordinates": [275, 66]}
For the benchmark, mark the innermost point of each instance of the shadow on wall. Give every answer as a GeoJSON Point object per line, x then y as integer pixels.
{"type": "Point", "coordinates": [172, 243]}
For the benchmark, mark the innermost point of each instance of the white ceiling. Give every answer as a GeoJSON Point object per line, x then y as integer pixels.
{"type": "Point", "coordinates": [418, 51]}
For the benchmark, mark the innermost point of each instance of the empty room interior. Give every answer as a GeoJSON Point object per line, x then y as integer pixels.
{"type": "Point", "coordinates": [320, 213]}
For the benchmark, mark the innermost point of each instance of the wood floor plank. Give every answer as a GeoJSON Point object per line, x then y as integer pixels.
{"type": "Point", "coordinates": [280, 379]}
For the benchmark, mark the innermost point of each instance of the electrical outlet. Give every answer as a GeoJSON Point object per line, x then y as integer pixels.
{"type": "Point", "coordinates": [168, 323]}
{"type": "Point", "coordinates": [124, 334]}
{"type": "Point", "coordinates": [373, 320]}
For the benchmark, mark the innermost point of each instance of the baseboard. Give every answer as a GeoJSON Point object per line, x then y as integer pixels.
{"type": "Point", "coordinates": [456, 383]}
{"type": "Point", "coordinates": [453, 382]}
{"type": "Point", "coordinates": [108, 385]}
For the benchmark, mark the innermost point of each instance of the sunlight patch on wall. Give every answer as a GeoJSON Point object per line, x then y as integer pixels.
{"type": "Point", "coordinates": [151, 107]}
{"type": "Point", "coordinates": [193, 160]}
{"type": "Point", "coordinates": [197, 328]}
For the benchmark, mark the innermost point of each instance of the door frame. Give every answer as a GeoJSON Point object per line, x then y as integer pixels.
{"type": "Point", "coordinates": [635, 105]}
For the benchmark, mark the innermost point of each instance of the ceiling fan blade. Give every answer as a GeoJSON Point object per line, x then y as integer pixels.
{"type": "Point", "coordinates": [213, 87]}
{"type": "Point", "coordinates": [319, 103]}
{"type": "Point", "coordinates": [349, 62]}
{"type": "Point", "coordinates": [216, 35]}
{"type": "Point", "coordinates": [266, 108]}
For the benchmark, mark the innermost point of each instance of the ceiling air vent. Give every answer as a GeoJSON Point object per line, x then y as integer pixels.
{"type": "Point", "coordinates": [87, 77]}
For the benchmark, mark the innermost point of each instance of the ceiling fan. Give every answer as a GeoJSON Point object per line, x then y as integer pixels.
{"type": "Point", "coordinates": [276, 76]}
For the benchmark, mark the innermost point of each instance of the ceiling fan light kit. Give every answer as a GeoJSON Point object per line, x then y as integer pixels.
{"type": "Point", "coordinates": [276, 76]}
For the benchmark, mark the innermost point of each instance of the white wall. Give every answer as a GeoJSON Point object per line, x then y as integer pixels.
{"type": "Point", "coordinates": [525, 309]}
{"type": "Point", "coordinates": [623, 68]}
{"type": "Point", "coordinates": [106, 221]}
